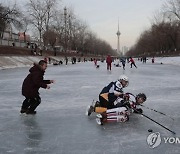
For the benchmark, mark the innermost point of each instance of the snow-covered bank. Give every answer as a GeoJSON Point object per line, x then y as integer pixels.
{"type": "Point", "coordinates": [168, 60]}
{"type": "Point", "coordinates": [20, 61]}
{"type": "Point", "coordinates": [24, 61]}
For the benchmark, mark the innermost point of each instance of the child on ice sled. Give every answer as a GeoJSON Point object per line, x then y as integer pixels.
{"type": "Point", "coordinates": [124, 108]}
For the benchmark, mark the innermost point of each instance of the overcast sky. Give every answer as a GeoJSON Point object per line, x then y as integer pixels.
{"type": "Point", "coordinates": [102, 17]}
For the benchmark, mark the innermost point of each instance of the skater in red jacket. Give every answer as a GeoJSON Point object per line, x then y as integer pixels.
{"type": "Point", "coordinates": [132, 62]}
{"type": "Point", "coordinates": [109, 61]}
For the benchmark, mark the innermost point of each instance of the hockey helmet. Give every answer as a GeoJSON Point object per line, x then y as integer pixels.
{"type": "Point", "coordinates": [142, 96]}
{"type": "Point", "coordinates": [124, 78]}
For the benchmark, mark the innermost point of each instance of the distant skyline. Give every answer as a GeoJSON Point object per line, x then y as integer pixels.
{"type": "Point", "coordinates": [102, 17]}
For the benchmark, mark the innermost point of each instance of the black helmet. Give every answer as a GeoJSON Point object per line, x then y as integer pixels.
{"type": "Point", "coordinates": [142, 95]}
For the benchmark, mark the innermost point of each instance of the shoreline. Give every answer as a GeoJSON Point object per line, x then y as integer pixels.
{"type": "Point", "coordinates": [13, 61]}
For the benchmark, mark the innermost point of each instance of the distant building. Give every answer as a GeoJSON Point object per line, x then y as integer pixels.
{"type": "Point", "coordinates": [8, 35]}
{"type": "Point", "coordinates": [24, 37]}
{"type": "Point", "coordinates": [124, 50]}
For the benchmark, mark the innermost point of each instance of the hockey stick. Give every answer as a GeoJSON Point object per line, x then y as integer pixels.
{"type": "Point", "coordinates": [154, 121]}
{"type": "Point", "coordinates": [157, 111]}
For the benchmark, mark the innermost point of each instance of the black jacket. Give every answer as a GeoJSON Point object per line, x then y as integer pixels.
{"type": "Point", "coordinates": [33, 82]}
{"type": "Point", "coordinates": [110, 90]}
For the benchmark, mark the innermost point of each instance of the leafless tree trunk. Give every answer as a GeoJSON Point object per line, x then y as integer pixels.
{"type": "Point", "coordinates": [40, 14]}
{"type": "Point", "coordinates": [10, 15]}
{"type": "Point", "coordinates": [172, 9]}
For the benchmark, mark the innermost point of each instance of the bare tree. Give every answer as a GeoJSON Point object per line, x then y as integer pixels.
{"type": "Point", "coordinates": [72, 33]}
{"type": "Point", "coordinates": [164, 35]}
{"type": "Point", "coordinates": [51, 9]}
{"type": "Point", "coordinates": [40, 13]}
{"type": "Point", "coordinates": [172, 9]}
{"type": "Point", "coordinates": [10, 15]}
{"type": "Point", "coordinates": [50, 37]}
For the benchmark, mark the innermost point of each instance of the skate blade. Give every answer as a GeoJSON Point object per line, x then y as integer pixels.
{"type": "Point", "coordinates": [87, 110]}
{"type": "Point", "coordinates": [98, 121]}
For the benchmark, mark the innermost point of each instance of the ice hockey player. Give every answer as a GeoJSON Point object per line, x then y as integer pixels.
{"type": "Point", "coordinates": [108, 95]}
{"type": "Point", "coordinates": [125, 107]}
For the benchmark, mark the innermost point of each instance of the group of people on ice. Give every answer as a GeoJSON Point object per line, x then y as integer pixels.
{"type": "Point", "coordinates": [114, 105]}
{"type": "Point", "coordinates": [117, 63]}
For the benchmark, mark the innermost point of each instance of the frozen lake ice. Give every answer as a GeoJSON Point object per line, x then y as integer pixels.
{"type": "Point", "coordinates": [60, 125]}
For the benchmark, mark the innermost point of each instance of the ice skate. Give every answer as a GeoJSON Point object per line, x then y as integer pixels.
{"type": "Point", "coordinates": [30, 112]}
{"type": "Point", "coordinates": [99, 121]}
{"type": "Point", "coordinates": [99, 116]}
{"type": "Point", "coordinates": [23, 111]}
{"type": "Point", "coordinates": [89, 110]}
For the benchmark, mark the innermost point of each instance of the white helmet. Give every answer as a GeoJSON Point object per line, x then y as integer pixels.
{"type": "Point", "coordinates": [124, 78]}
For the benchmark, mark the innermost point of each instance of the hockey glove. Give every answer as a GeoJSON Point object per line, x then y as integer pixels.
{"type": "Point", "coordinates": [139, 111]}
{"type": "Point", "coordinates": [126, 97]}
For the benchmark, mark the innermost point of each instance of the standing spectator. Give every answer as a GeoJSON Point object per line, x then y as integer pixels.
{"type": "Point", "coordinates": [123, 61]}
{"type": "Point", "coordinates": [31, 85]}
{"type": "Point", "coordinates": [35, 49]}
{"type": "Point", "coordinates": [40, 50]}
{"type": "Point", "coordinates": [49, 60]}
{"type": "Point", "coordinates": [109, 61]}
{"type": "Point", "coordinates": [66, 60]}
{"type": "Point", "coordinates": [144, 59]}
{"type": "Point", "coordinates": [32, 49]}
{"type": "Point", "coordinates": [28, 44]}
{"type": "Point", "coordinates": [95, 61]}
{"type": "Point", "coordinates": [73, 60]}
{"type": "Point", "coordinates": [132, 62]}
{"type": "Point", "coordinates": [45, 59]}
{"type": "Point", "coordinates": [153, 60]}
{"type": "Point", "coordinates": [79, 59]}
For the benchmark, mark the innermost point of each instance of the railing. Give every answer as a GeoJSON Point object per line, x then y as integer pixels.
{"type": "Point", "coordinates": [9, 42]}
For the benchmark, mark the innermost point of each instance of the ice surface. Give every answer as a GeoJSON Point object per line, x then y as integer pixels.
{"type": "Point", "coordinates": [61, 127]}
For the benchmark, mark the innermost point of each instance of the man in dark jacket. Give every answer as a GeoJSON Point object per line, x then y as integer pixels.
{"type": "Point", "coordinates": [31, 85]}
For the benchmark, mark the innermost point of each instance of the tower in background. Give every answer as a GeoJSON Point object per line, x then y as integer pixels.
{"type": "Point", "coordinates": [118, 40]}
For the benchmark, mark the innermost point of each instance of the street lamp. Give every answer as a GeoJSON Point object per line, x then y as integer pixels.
{"type": "Point", "coordinates": [65, 21]}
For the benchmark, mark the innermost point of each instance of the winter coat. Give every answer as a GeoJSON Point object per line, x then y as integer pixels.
{"type": "Point", "coordinates": [131, 60]}
{"type": "Point", "coordinates": [33, 82]}
{"type": "Point", "coordinates": [110, 89]}
{"type": "Point", "coordinates": [109, 60]}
